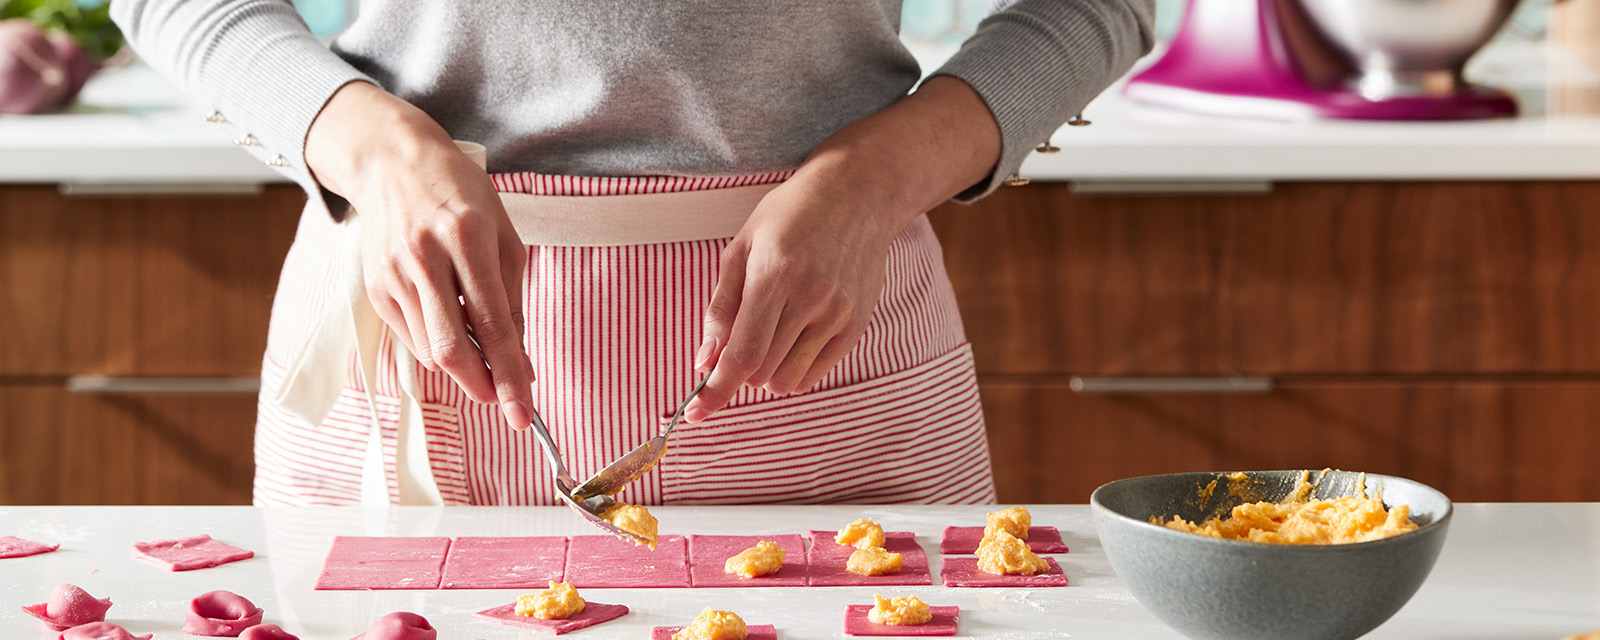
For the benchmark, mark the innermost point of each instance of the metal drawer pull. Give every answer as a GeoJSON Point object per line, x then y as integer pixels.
{"type": "Point", "coordinates": [1172, 385]}
{"type": "Point", "coordinates": [1168, 187]}
{"type": "Point", "coordinates": [113, 189]}
{"type": "Point", "coordinates": [109, 385]}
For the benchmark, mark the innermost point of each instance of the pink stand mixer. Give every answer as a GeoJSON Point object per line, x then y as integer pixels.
{"type": "Point", "coordinates": [1357, 59]}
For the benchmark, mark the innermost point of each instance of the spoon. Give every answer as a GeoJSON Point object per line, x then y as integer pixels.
{"type": "Point", "coordinates": [636, 463]}
{"type": "Point", "coordinates": [590, 508]}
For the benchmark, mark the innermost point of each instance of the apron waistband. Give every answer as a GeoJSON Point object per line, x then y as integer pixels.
{"type": "Point", "coordinates": [609, 221]}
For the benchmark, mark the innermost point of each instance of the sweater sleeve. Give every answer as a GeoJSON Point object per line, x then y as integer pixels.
{"type": "Point", "coordinates": [1035, 63]}
{"type": "Point", "coordinates": [254, 62]}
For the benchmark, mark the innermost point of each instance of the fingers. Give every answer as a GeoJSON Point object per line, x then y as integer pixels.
{"type": "Point", "coordinates": [797, 362]}
{"type": "Point", "coordinates": [724, 306]}
{"type": "Point", "coordinates": [792, 321]}
{"type": "Point", "coordinates": [749, 340]}
{"type": "Point", "coordinates": [830, 355]}
{"type": "Point", "coordinates": [414, 331]}
{"type": "Point", "coordinates": [497, 330]}
{"type": "Point", "coordinates": [453, 350]}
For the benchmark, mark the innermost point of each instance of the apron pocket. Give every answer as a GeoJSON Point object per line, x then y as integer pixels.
{"type": "Point", "coordinates": [441, 424]}
{"type": "Point", "coordinates": [912, 436]}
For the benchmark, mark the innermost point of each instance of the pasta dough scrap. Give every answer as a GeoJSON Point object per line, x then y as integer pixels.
{"type": "Point", "coordinates": [873, 561]}
{"type": "Point", "coordinates": [1005, 554]}
{"type": "Point", "coordinates": [13, 547]}
{"type": "Point", "coordinates": [193, 552]}
{"type": "Point", "coordinates": [633, 519]}
{"type": "Point", "coordinates": [712, 624]}
{"type": "Point", "coordinates": [765, 558]}
{"type": "Point", "coordinates": [559, 601]}
{"type": "Point", "coordinates": [899, 611]}
{"type": "Point", "coordinates": [1015, 521]}
{"type": "Point", "coordinates": [861, 534]}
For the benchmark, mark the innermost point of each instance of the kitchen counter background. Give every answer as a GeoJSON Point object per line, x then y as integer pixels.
{"type": "Point", "coordinates": [132, 127]}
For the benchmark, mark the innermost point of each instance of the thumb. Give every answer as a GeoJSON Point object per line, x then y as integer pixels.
{"type": "Point", "coordinates": [724, 307]}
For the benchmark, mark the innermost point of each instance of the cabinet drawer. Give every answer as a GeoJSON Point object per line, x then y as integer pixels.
{"type": "Point", "coordinates": [1475, 441]}
{"type": "Point", "coordinates": [58, 447]}
{"type": "Point", "coordinates": [1369, 278]}
{"type": "Point", "coordinates": [158, 286]}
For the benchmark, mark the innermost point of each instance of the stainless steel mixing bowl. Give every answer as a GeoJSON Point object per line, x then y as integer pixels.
{"type": "Point", "coordinates": [1408, 47]}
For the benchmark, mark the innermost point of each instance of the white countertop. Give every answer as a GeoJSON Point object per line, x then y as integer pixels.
{"type": "Point", "coordinates": [1507, 572]}
{"type": "Point", "coordinates": [130, 126]}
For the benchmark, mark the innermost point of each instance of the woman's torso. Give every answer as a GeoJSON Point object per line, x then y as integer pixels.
{"type": "Point", "coordinates": [624, 87]}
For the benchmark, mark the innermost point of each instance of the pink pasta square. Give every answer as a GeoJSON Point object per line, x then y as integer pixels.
{"type": "Point", "coordinates": [357, 563]}
{"type": "Point", "coordinates": [756, 631]}
{"type": "Point", "coordinates": [11, 547]}
{"type": "Point", "coordinates": [505, 563]}
{"type": "Point", "coordinates": [708, 554]}
{"type": "Point", "coordinates": [187, 554]}
{"type": "Point", "coordinates": [600, 562]}
{"type": "Point", "coordinates": [827, 562]}
{"type": "Point", "coordinates": [944, 623]}
{"type": "Point", "coordinates": [593, 613]}
{"type": "Point", "coordinates": [964, 572]}
{"type": "Point", "coordinates": [964, 540]}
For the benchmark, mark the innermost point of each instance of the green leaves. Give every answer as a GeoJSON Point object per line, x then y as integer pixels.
{"type": "Point", "coordinates": [91, 25]}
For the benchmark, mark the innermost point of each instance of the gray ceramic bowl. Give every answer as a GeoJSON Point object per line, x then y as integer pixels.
{"type": "Point", "coordinates": [1215, 589]}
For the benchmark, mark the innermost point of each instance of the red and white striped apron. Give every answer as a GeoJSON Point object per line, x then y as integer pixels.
{"type": "Point", "coordinates": [612, 330]}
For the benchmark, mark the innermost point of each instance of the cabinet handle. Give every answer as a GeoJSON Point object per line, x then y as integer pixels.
{"type": "Point", "coordinates": [1172, 385]}
{"type": "Point", "coordinates": [109, 385]}
{"type": "Point", "coordinates": [1168, 187]}
{"type": "Point", "coordinates": [115, 189]}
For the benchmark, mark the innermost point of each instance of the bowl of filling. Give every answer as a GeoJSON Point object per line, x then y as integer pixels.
{"type": "Point", "coordinates": [1316, 555]}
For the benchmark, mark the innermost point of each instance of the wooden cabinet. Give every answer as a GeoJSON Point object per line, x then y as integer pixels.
{"type": "Point", "coordinates": [59, 447]}
{"type": "Point", "coordinates": [1361, 278]}
{"type": "Point", "coordinates": [1476, 441]}
{"type": "Point", "coordinates": [133, 287]}
{"type": "Point", "coordinates": [1441, 331]}
{"type": "Point", "coordinates": [139, 286]}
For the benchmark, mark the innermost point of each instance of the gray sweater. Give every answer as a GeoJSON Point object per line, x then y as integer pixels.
{"type": "Point", "coordinates": [630, 87]}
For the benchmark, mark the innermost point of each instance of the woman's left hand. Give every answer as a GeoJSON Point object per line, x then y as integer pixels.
{"type": "Point", "coordinates": [797, 287]}
{"type": "Point", "coordinates": [800, 281]}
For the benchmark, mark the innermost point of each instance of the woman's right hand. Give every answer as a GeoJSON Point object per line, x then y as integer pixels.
{"type": "Point", "coordinates": [443, 264]}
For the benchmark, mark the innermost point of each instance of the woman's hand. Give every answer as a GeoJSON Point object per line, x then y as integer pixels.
{"type": "Point", "coordinates": [442, 263]}
{"type": "Point", "coordinates": [800, 281]}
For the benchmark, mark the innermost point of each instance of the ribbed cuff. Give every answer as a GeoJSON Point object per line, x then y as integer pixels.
{"type": "Point", "coordinates": [275, 86]}
{"type": "Point", "coordinates": [254, 62]}
{"type": "Point", "coordinates": [1036, 64]}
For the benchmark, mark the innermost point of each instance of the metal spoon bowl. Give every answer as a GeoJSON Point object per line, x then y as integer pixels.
{"type": "Point", "coordinates": [636, 463]}
{"type": "Point", "coordinates": [590, 508]}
